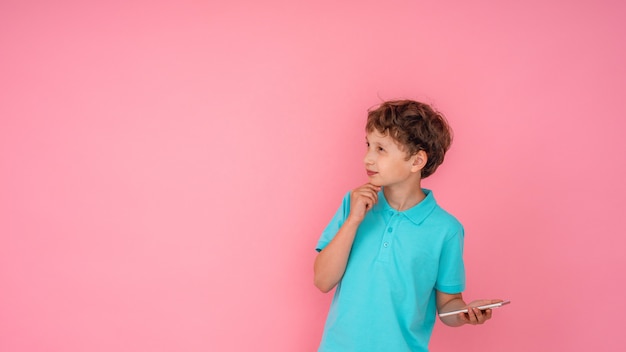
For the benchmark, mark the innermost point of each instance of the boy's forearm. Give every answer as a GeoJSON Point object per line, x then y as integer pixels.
{"type": "Point", "coordinates": [451, 305]}
{"type": "Point", "coordinates": [330, 263]}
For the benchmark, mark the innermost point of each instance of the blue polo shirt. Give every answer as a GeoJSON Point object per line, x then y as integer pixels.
{"type": "Point", "coordinates": [386, 298]}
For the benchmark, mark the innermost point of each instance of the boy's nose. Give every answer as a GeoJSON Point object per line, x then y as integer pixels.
{"type": "Point", "coordinates": [367, 160]}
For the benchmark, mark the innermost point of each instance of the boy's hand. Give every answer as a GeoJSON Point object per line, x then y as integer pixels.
{"type": "Point", "coordinates": [476, 316]}
{"type": "Point", "coordinates": [362, 199]}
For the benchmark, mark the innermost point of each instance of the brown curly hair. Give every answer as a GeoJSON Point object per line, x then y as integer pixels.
{"type": "Point", "coordinates": [415, 126]}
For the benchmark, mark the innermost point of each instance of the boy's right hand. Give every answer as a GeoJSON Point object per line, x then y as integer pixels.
{"type": "Point", "coordinates": [362, 199]}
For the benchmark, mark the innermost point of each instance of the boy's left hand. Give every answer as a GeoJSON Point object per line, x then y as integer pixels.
{"type": "Point", "coordinates": [476, 316]}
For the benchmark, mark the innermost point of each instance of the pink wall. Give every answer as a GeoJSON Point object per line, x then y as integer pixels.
{"type": "Point", "coordinates": [166, 167]}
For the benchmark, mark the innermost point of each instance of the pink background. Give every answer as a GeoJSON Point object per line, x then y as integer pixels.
{"type": "Point", "coordinates": [167, 166]}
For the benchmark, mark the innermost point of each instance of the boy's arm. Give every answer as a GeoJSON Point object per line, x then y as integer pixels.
{"type": "Point", "coordinates": [330, 263]}
{"type": "Point", "coordinates": [448, 302]}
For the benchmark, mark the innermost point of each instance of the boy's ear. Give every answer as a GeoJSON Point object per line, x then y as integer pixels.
{"type": "Point", "coordinates": [419, 160]}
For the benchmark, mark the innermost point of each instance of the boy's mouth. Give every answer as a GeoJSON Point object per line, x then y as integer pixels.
{"type": "Point", "coordinates": [371, 173]}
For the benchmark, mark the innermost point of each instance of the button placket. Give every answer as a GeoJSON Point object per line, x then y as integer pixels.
{"type": "Point", "coordinates": [387, 240]}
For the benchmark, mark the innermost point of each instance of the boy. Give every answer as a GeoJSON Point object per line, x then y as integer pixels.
{"type": "Point", "coordinates": [393, 253]}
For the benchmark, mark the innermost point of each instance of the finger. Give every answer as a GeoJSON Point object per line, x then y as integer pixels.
{"type": "Point", "coordinates": [464, 318]}
{"type": "Point", "coordinates": [369, 186]}
{"type": "Point", "coordinates": [366, 190]}
{"type": "Point", "coordinates": [373, 196]}
{"type": "Point", "coordinates": [481, 316]}
{"type": "Point", "coordinates": [364, 200]}
{"type": "Point", "coordinates": [371, 189]}
{"type": "Point", "coordinates": [472, 313]}
{"type": "Point", "coordinates": [467, 318]}
{"type": "Point", "coordinates": [365, 194]}
{"type": "Point", "coordinates": [372, 186]}
{"type": "Point", "coordinates": [362, 194]}
{"type": "Point", "coordinates": [488, 314]}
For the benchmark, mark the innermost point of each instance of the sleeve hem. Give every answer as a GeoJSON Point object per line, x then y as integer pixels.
{"type": "Point", "coordinates": [451, 289]}
{"type": "Point", "coordinates": [320, 246]}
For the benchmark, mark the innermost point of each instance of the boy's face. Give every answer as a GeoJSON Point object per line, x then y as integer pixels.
{"type": "Point", "coordinates": [386, 161]}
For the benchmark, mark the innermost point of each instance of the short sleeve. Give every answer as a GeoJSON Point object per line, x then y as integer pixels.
{"type": "Point", "coordinates": [451, 275]}
{"type": "Point", "coordinates": [335, 223]}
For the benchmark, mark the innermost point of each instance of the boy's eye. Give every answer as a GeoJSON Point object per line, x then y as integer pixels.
{"type": "Point", "coordinates": [380, 149]}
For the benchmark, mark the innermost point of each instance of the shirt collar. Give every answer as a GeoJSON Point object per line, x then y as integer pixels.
{"type": "Point", "coordinates": [417, 213]}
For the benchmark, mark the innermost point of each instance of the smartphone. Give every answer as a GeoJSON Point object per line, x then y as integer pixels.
{"type": "Point", "coordinates": [488, 306]}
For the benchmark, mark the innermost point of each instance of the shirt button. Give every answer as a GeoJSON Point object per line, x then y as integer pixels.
{"type": "Point", "coordinates": [386, 244]}
{"type": "Point", "coordinates": [390, 229]}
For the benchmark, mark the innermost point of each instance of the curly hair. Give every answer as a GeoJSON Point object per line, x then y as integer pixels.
{"type": "Point", "coordinates": [415, 126]}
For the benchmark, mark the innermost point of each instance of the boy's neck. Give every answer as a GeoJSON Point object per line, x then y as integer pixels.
{"type": "Point", "coordinates": [403, 197]}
